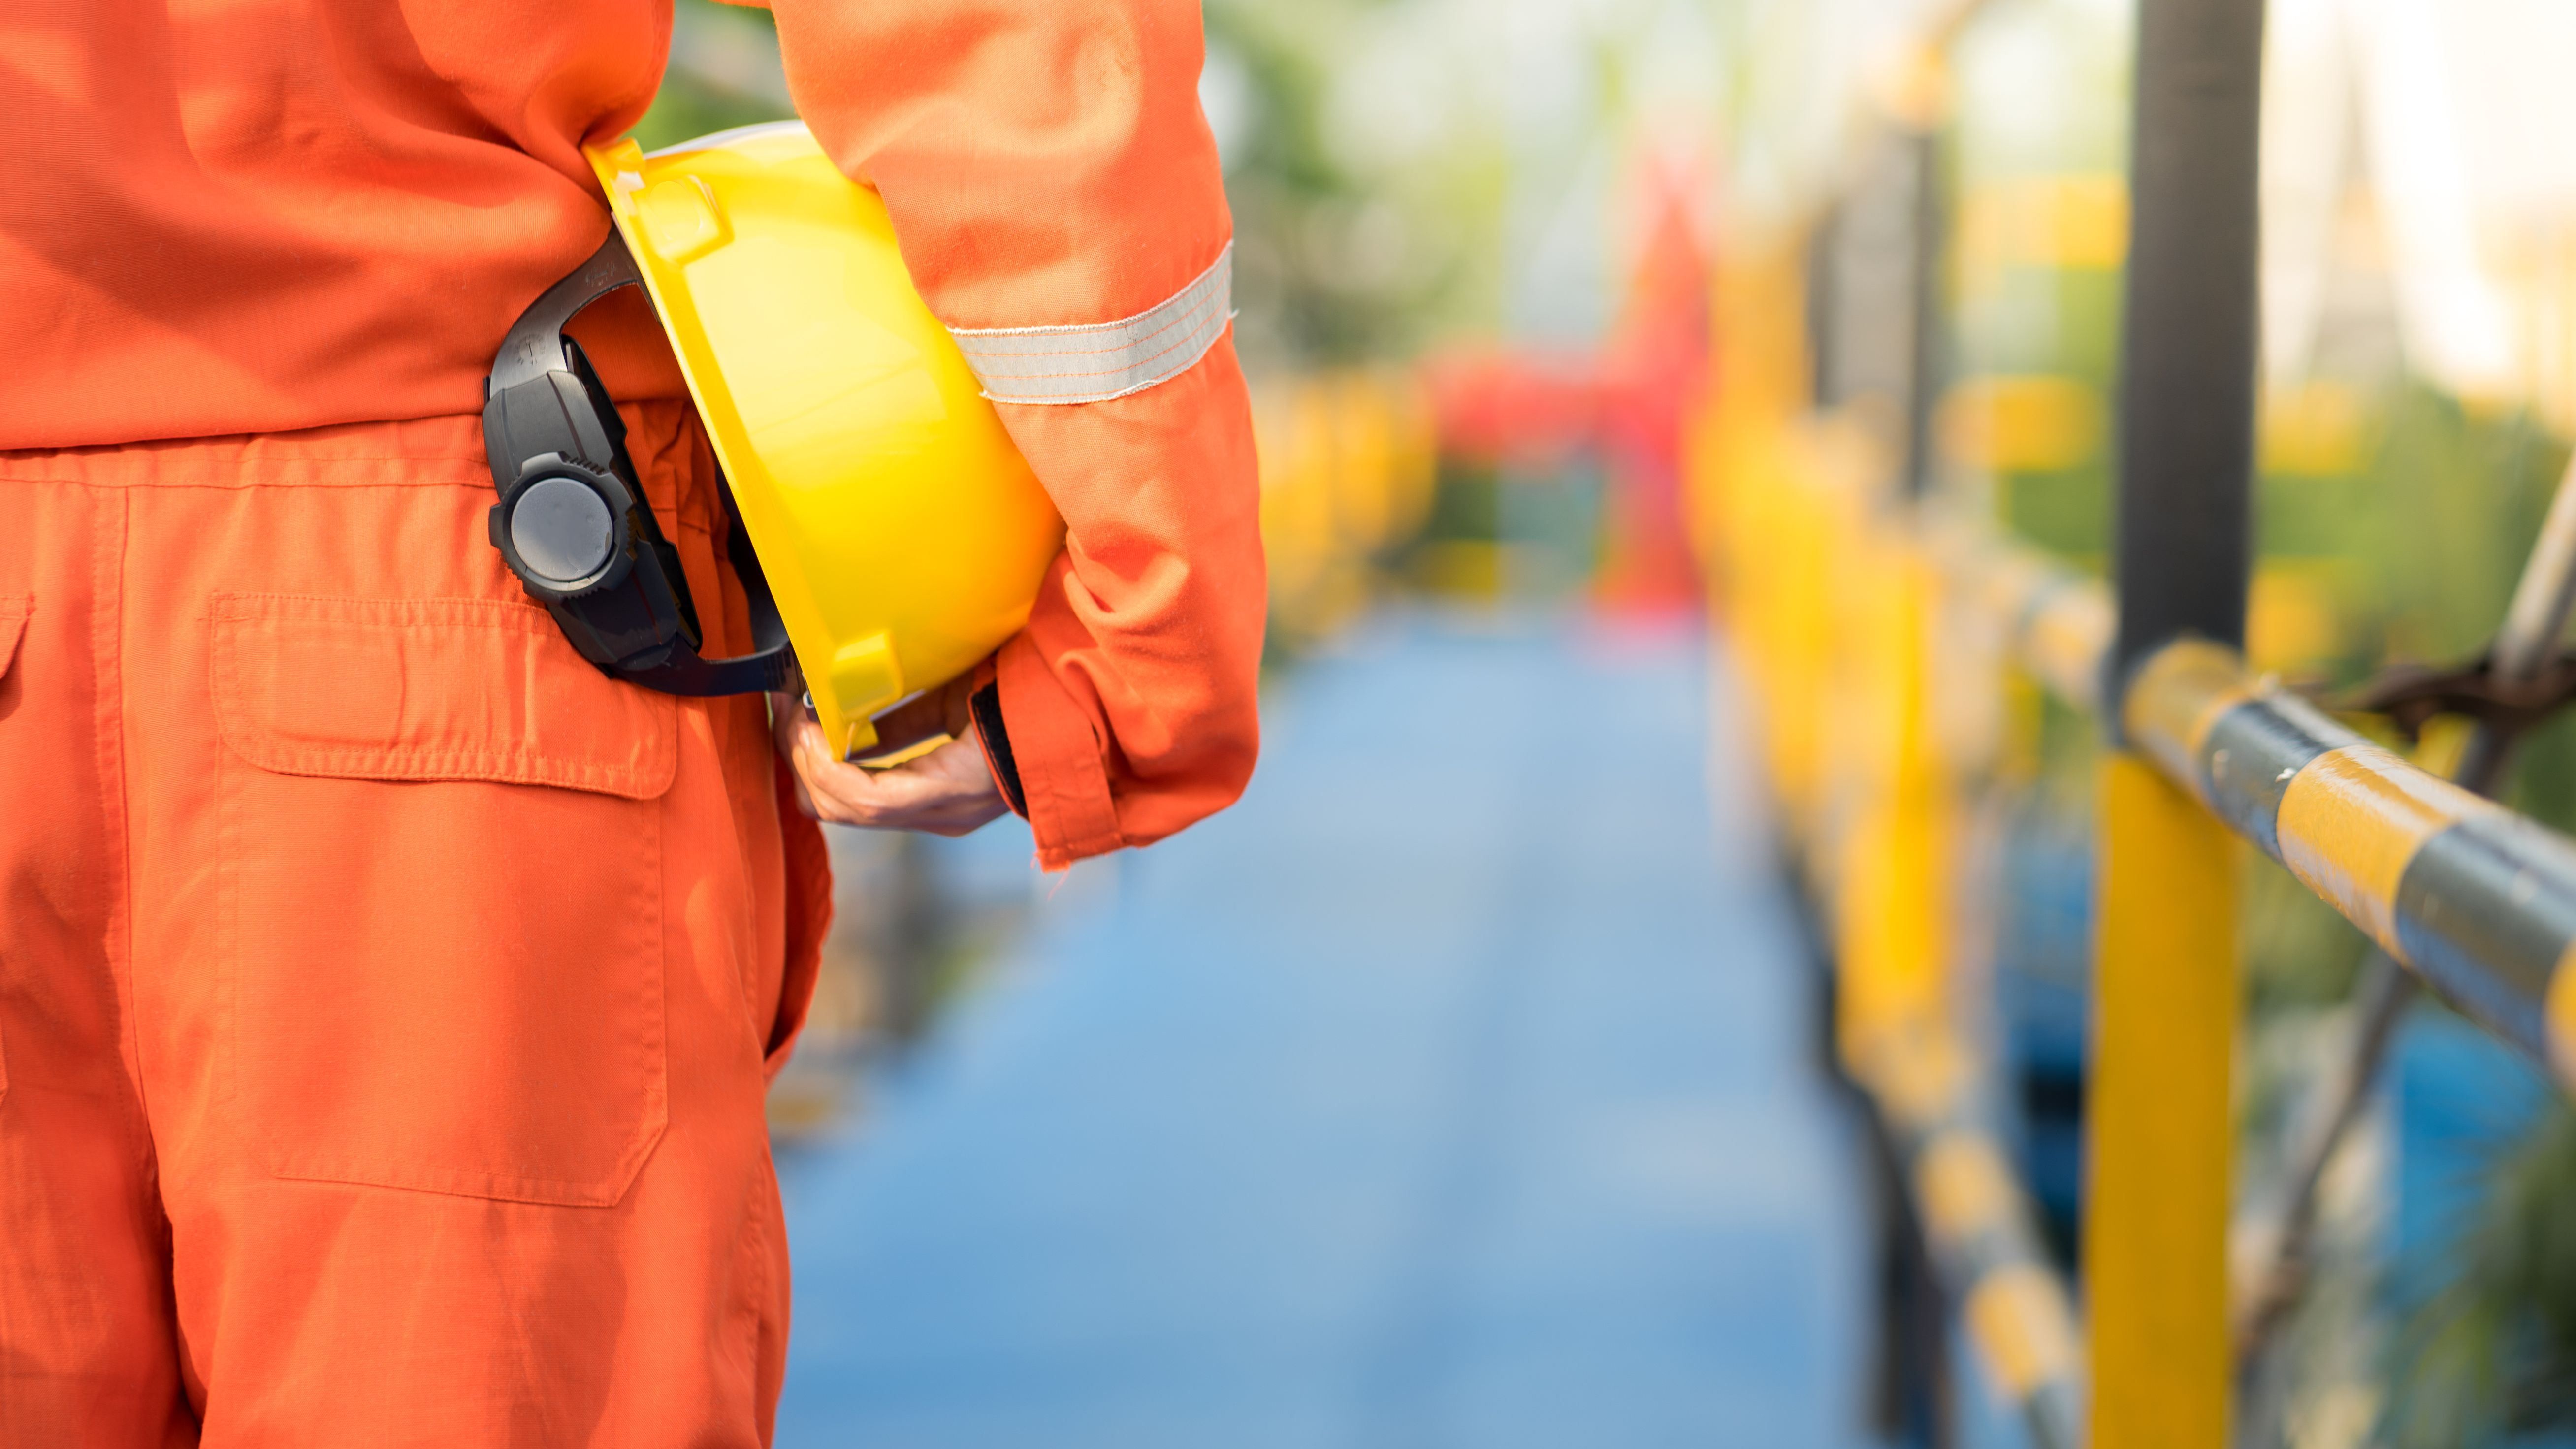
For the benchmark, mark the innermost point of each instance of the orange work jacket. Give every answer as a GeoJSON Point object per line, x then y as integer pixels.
{"type": "Point", "coordinates": [261, 216]}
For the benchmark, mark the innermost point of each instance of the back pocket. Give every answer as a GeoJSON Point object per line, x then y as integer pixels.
{"type": "Point", "coordinates": [442, 943]}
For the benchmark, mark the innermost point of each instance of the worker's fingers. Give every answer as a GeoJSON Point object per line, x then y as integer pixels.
{"type": "Point", "coordinates": [919, 795]}
{"type": "Point", "coordinates": [950, 791]}
{"type": "Point", "coordinates": [947, 792]}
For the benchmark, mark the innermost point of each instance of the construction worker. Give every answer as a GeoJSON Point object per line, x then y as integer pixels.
{"type": "Point", "coordinates": [386, 995]}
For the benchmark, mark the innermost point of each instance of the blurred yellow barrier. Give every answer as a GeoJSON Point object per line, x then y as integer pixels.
{"type": "Point", "coordinates": [1840, 607]}
{"type": "Point", "coordinates": [2074, 222]}
{"type": "Point", "coordinates": [1348, 465]}
{"type": "Point", "coordinates": [1895, 649]}
{"type": "Point", "coordinates": [1863, 620]}
{"type": "Point", "coordinates": [2035, 424]}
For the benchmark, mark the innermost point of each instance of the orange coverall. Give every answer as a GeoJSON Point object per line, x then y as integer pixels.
{"type": "Point", "coordinates": [387, 997]}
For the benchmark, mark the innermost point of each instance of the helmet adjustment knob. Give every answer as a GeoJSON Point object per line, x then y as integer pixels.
{"type": "Point", "coordinates": [562, 530]}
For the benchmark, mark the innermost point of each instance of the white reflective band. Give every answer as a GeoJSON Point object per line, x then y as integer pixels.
{"type": "Point", "coordinates": [1110, 359]}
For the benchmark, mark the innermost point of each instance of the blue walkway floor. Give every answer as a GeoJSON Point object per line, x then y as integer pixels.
{"type": "Point", "coordinates": [1452, 1092]}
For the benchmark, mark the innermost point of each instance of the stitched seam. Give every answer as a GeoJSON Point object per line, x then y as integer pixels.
{"type": "Point", "coordinates": [254, 740]}
{"type": "Point", "coordinates": [1098, 397]}
{"type": "Point", "coordinates": [1141, 351]}
{"type": "Point", "coordinates": [453, 1181]}
{"type": "Point", "coordinates": [107, 651]}
{"type": "Point", "coordinates": [477, 482]}
{"type": "Point", "coordinates": [1051, 376]}
{"type": "Point", "coordinates": [475, 485]}
{"type": "Point", "coordinates": [500, 613]}
{"type": "Point", "coordinates": [331, 460]}
{"type": "Point", "coordinates": [341, 763]}
{"type": "Point", "coordinates": [1192, 315]}
{"type": "Point", "coordinates": [15, 611]}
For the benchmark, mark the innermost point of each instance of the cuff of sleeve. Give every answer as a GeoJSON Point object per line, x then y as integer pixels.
{"type": "Point", "coordinates": [984, 706]}
{"type": "Point", "coordinates": [1058, 758]}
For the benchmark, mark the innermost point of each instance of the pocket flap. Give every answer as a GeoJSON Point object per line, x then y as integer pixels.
{"type": "Point", "coordinates": [14, 609]}
{"type": "Point", "coordinates": [430, 689]}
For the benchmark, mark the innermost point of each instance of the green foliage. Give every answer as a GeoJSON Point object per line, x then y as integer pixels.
{"type": "Point", "coordinates": [2299, 952]}
{"type": "Point", "coordinates": [683, 112]}
{"type": "Point", "coordinates": [724, 72]}
{"type": "Point", "coordinates": [2494, 1351]}
{"type": "Point", "coordinates": [2442, 519]}
{"type": "Point", "coordinates": [1340, 257]}
{"type": "Point", "coordinates": [2067, 511]}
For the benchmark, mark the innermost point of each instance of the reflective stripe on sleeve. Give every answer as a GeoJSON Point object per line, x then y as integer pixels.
{"type": "Point", "coordinates": [1109, 359]}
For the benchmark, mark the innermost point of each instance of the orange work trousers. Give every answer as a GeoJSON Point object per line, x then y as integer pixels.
{"type": "Point", "coordinates": [387, 997]}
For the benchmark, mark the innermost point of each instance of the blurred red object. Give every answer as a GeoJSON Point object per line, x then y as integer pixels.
{"type": "Point", "coordinates": [1522, 409]}
{"type": "Point", "coordinates": [1655, 371]}
{"type": "Point", "coordinates": [1629, 403]}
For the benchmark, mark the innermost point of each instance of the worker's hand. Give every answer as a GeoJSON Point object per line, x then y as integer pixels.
{"type": "Point", "coordinates": [949, 791]}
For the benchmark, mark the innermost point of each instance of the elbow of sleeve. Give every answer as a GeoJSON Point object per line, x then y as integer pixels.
{"type": "Point", "coordinates": [1223, 745]}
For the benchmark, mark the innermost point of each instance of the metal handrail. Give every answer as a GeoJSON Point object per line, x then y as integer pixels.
{"type": "Point", "coordinates": [1980, 1227]}
{"type": "Point", "coordinates": [2057, 624]}
{"type": "Point", "coordinates": [2274, 1239]}
{"type": "Point", "coordinates": [2479, 901]}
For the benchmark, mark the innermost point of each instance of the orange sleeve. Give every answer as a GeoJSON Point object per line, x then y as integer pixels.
{"type": "Point", "coordinates": [1046, 164]}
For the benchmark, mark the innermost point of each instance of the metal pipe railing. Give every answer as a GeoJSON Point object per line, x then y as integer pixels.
{"type": "Point", "coordinates": [1922, 1078]}
{"type": "Point", "coordinates": [2458, 893]}
{"type": "Point", "coordinates": [1928, 1083]}
{"type": "Point", "coordinates": [2056, 624]}
{"type": "Point", "coordinates": [2480, 902]}
{"type": "Point", "coordinates": [2274, 1236]}
{"type": "Point", "coordinates": [2159, 1118]}
{"type": "Point", "coordinates": [1981, 1230]}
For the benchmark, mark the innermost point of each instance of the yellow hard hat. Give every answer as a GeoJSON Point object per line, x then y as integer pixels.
{"type": "Point", "coordinates": [898, 530]}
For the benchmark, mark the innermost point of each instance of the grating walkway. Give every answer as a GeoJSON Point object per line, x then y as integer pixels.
{"type": "Point", "coordinates": [1452, 1092]}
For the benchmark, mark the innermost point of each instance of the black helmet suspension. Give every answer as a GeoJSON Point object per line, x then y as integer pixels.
{"type": "Point", "coordinates": [573, 523]}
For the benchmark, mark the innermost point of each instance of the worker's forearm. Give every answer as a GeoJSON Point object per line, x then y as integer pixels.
{"type": "Point", "coordinates": [1046, 166]}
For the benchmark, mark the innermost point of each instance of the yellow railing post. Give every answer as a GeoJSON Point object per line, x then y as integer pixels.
{"type": "Point", "coordinates": [2157, 1116]}
{"type": "Point", "coordinates": [1892, 928]}
{"type": "Point", "coordinates": [2158, 1133]}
